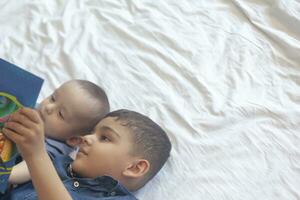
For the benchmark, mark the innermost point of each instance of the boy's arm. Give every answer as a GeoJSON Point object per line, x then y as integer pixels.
{"type": "Point", "coordinates": [26, 129]}
{"type": "Point", "coordinates": [19, 174]}
{"type": "Point", "coordinates": [47, 185]}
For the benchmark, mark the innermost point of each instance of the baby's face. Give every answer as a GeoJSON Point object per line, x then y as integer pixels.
{"type": "Point", "coordinates": [67, 112]}
{"type": "Point", "coordinates": [105, 152]}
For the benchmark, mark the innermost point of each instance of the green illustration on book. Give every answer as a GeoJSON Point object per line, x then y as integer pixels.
{"type": "Point", "coordinates": [8, 105]}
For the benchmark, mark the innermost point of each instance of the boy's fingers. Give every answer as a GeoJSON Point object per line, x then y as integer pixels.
{"type": "Point", "coordinates": [31, 114]}
{"type": "Point", "coordinates": [20, 118]}
{"type": "Point", "coordinates": [16, 128]}
{"type": "Point", "coordinates": [11, 135]}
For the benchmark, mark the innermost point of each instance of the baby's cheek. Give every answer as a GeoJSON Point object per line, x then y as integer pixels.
{"type": "Point", "coordinates": [53, 123]}
{"type": "Point", "coordinates": [52, 129]}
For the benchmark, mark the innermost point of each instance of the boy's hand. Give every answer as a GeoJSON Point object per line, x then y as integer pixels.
{"type": "Point", "coordinates": [26, 128]}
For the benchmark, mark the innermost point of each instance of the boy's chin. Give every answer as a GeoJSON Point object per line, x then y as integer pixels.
{"type": "Point", "coordinates": [78, 166]}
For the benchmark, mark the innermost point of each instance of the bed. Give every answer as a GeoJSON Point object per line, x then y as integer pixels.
{"type": "Point", "coordinates": [222, 77]}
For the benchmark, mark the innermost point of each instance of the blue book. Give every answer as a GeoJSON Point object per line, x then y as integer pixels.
{"type": "Point", "coordinates": [18, 88]}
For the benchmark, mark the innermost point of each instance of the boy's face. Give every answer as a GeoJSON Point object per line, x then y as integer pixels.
{"type": "Point", "coordinates": [105, 152]}
{"type": "Point", "coordinates": [66, 112]}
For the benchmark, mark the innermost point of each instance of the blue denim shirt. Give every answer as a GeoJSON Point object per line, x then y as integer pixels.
{"type": "Point", "coordinates": [57, 147]}
{"type": "Point", "coordinates": [105, 187]}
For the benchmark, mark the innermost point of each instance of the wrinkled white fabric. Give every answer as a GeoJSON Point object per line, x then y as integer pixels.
{"type": "Point", "coordinates": [222, 77]}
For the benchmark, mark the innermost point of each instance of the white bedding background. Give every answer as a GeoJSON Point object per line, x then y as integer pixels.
{"type": "Point", "coordinates": [222, 77]}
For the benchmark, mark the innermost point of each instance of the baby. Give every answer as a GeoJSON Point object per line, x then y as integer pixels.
{"type": "Point", "coordinates": [70, 112]}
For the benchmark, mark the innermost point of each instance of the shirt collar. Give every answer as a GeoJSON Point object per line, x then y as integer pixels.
{"type": "Point", "coordinates": [102, 184]}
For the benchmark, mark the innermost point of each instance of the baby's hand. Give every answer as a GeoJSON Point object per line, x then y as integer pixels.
{"type": "Point", "coordinates": [26, 129]}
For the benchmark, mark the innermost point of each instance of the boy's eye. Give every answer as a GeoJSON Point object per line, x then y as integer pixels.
{"type": "Point", "coordinates": [104, 138]}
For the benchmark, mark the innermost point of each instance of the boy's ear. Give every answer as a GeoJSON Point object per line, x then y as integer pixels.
{"type": "Point", "coordinates": [74, 141]}
{"type": "Point", "coordinates": [137, 169]}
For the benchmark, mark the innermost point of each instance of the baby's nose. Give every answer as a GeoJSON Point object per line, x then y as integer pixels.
{"type": "Point", "coordinates": [49, 108]}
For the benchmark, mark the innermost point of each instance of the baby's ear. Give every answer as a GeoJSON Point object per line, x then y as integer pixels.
{"type": "Point", "coordinates": [74, 141]}
{"type": "Point", "coordinates": [137, 169]}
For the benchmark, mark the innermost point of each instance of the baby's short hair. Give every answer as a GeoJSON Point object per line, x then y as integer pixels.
{"type": "Point", "coordinates": [97, 94]}
{"type": "Point", "coordinates": [149, 140]}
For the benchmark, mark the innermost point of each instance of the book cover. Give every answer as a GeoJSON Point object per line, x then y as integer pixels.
{"type": "Point", "coordinates": [18, 88]}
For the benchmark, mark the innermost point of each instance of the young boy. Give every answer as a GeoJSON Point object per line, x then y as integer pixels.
{"type": "Point", "coordinates": [71, 111]}
{"type": "Point", "coordinates": [124, 151]}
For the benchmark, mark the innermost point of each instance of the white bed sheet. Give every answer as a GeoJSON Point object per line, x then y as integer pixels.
{"type": "Point", "coordinates": [220, 76]}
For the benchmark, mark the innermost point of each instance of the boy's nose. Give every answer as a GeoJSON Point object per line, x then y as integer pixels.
{"type": "Point", "coordinates": [87, 139]}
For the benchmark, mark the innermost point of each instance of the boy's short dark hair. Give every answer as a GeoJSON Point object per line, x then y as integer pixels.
{"type": "Point", "coordinates": [97, 93]}
{"type": "Point", "coordinates": [149, 140]}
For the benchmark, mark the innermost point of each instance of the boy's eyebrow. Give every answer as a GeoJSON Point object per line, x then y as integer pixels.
{"type": "Point", "coordinates": [55, 93]}
{"type": "Point", "coordinates": [109, 129]}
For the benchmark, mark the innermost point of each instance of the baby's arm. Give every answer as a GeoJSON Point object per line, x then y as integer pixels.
{"type": "Point", "coordinates": [26, 129]}
{"type": "Point", "coordinates": [19, 174]}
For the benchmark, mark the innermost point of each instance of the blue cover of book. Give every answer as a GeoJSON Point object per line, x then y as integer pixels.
{"type": "Point", "coordinates": [18, 88]}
